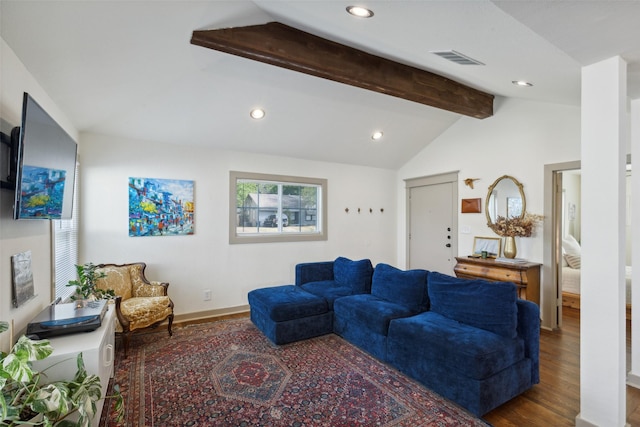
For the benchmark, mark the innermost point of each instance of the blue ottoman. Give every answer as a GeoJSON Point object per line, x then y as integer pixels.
{"type": "Point", "coordinates": [288, 313]}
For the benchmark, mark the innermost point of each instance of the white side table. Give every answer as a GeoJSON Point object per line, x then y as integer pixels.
{"type": "Point", "coordinates": [98, 351]}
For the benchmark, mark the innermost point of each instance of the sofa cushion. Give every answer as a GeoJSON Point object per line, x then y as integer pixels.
{"type": "Point", "coordinates": [370, 313]}
{"type": "Point", "coordinates": [353, 274]}
{"type": "Point", "coordinates": [328, 289]}
{"type": "Point", "coordinates": [313, 272]}
{"type": "Point", "coordinates": [404, 287]}
{"type": "Point", "coordinates": [144, 312]}
{"type": "Point", "coordinates": [286, 302]}
{"type": "Point", "coordinates": [473, 352]}
{"type": "Point", "coordinates": [487, 305]}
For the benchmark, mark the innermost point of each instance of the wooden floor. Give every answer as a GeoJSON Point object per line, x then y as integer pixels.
{"type": "Point", "coordinates": [556, 400]}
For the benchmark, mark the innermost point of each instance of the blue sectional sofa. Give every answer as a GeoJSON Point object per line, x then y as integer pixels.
{"type": "Point", "coordinates": [364, 319]}
{"type": "Point", "coordinates": [471, 341]}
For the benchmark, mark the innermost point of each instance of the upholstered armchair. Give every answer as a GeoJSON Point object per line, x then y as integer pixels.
{"type": "Point", "coordinates": [140, 303]}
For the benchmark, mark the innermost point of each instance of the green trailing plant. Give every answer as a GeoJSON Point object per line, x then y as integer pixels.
{"type": "Point", "coordinates": [27, 399]}
{"type": "Point", "coordinates": [86, 285]}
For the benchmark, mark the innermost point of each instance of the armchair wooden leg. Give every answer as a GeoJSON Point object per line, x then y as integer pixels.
{"type": "Point", "coordinates": [170, 324]}
{"type": "Point", "coordinates": [125, 343]}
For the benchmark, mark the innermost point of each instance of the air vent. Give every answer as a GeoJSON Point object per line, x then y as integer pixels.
{"type": "Point", "coordinates": [456, 57]}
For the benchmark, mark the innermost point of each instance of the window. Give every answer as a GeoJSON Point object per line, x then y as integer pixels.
{"type": "Point", "coordinates": [275, 208]}
{"type": "Point", "coordinates": [65, 249]}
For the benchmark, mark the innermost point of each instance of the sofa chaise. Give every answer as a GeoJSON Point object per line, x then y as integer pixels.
{"type": "Point", "coordinates": [472, 341]}
{"type": "Point", "coordinates": [291, 313]}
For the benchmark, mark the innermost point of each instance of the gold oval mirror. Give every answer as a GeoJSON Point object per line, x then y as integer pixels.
{"type": "Point", "coordinates": [505, 198]}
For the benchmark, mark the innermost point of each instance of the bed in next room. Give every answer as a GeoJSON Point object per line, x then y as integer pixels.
{"type": "Point", "coordinates": [571, 275]}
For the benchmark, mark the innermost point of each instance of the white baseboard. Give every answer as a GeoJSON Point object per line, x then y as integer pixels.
{"type": "Point", "coordinates": [584, 423]}
{"type": "Point", "coordinates": [633, 379]}
{"type": "Point", "coordinates": [210, 314]}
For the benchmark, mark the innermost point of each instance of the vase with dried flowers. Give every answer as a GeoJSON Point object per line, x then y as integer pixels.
{"type": "Point", "coordinates": [509, 228]}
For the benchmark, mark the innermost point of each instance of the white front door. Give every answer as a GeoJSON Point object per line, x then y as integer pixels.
{"type": "Point", "coordinates": [432, 242]}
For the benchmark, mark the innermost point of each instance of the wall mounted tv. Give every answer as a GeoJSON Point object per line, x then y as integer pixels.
{"type": "Point", "coordinates": [46, 166]}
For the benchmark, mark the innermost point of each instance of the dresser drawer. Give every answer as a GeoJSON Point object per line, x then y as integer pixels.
{"type": "Point", "coordinates": [489, 273]}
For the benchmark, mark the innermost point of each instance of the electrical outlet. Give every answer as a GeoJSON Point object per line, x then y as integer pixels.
{"type": "Point", "coordinates": [207, 295]}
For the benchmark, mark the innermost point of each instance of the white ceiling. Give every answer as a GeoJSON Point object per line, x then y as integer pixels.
{"type": "Point", "coordinates": [127, 68]}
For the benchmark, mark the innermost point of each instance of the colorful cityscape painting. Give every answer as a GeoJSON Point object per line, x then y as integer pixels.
{"type": "Point", "coordinates": [160, 207]}
{"type": "Point", "coordinates": [41, 192]}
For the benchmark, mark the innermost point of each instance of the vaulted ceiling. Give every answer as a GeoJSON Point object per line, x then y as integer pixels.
{"type": "Point", "coordinates": [128, 69]}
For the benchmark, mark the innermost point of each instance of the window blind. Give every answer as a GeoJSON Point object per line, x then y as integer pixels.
{"type": "Point", "coordinates": [65, 250]}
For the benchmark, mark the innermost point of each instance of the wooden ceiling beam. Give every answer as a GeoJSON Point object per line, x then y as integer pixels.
{"type": "Point", "coordinates": [283, 46]}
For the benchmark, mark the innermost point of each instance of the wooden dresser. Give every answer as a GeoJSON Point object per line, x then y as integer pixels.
{"type": "Point", "coordinates": [525, 275]}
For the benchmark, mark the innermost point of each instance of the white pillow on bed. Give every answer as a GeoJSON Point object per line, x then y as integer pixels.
{"type": "Point", "coordinates": [571, 245]}
{"type": "Point", "coordinates": [572, 251]}
{"type": "Point", "coordinates": [564, 258]}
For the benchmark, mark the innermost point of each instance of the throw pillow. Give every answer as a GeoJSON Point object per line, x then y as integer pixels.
{"type": "Point", "coordinates": [571, 245]}
{"type": "Point", "coordinates": [403, 287]}
{"type": "Point", "coordinates": [353, 274]}
{"type": "Point", "coordinates": [486, 305]}
{"type": "Point", "coordinates": [574, 261]}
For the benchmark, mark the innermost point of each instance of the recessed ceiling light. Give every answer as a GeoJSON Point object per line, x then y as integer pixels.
{"type": "Point", "coordinates": [377, 135]}
{"type": "Point", "coordinates": [360, 12]}
{"type": "Point", "coordinates": [522, 83]}
{"type": "Point", "coordinates": [257, 113]}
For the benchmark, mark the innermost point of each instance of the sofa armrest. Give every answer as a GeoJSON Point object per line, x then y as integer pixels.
{"type": "Point", "coordinates": [313, 272]}
{"type": "Point", "coordinates": [529, 331]}
{"type": "Point", "coordinates": [124, 322]}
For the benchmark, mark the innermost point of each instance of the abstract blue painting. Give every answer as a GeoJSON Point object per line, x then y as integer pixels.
{"type": "Point", "coordinates": [160, 207]}
{"type": "Point", "coordinates": [41, 192]}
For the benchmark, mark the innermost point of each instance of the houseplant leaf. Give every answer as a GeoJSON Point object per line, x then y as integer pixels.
{"type": "Point", "coordinates": [16, 364]}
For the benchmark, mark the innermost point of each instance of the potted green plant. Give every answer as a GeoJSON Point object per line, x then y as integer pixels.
{"type": "Point", "coordinates": [86, 285]}
{"type": "Point", "coordinates": [27, 399]}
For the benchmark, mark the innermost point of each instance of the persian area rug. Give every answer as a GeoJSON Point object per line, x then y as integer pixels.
{"type": "Point", "coordinates": [228, 374]}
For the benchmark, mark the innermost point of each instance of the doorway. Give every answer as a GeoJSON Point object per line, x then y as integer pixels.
{"type": "Point", "coordinates": [569, 228]}
{"type": "Point", "coordinates": [561, 284]}
{"type": "Point", "coordinates": [555, 226]}
{"type": "Point", "coordinates": [432, 222]}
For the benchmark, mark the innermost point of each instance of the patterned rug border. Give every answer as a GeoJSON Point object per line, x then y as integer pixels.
{"type": "Point", "coordinates": [140, 395]}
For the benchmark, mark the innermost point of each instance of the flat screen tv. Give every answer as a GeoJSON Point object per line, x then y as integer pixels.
{"type": "Point", "coordinates": [46, 165]}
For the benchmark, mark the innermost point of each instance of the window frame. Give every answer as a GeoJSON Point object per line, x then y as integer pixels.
{"type": "Point", "coordinates": [64, 264]}
{"type": "Point", "coordinates": [235, 238]}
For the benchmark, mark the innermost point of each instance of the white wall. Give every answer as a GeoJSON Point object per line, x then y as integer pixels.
{"type": "Point", "coordinates": [518, 140]}
{"type": "Point", "coordinates": [629, 222]}
{"type": "Point", "coordinates": [20, 236]}
{"type": "Point", "coordinates": [206, 260]}
{"type": "Point", "coordinates": [572, 188]}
